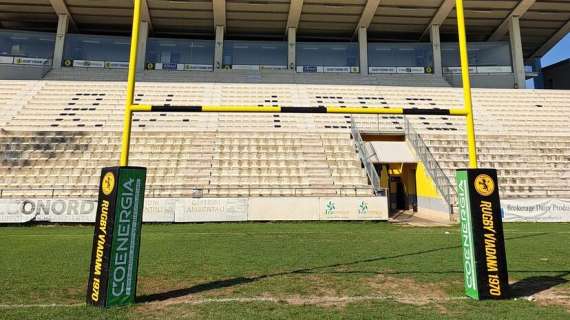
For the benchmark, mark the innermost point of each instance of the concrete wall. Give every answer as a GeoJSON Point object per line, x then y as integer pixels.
{"type": "Point", "coordinates": [13, 72]}
{"type": "Point", "coordinates": [498, 81]}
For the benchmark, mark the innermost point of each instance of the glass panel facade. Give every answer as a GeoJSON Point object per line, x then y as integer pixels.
{"type": "Point", "coordinates": [480, 54]}
{"type": "Point", "coordinates": [27, 44]}
{"type": "Point", "coordinates": [263, 53]}
{"type": "Point", "coordinates": [333, 54]}
{"type": "Point", "coordinates": [400, 55]}
{"type": "Point", "coordinates": [180, 51]}
{"type": "Point", "coordinates": [97, 48]}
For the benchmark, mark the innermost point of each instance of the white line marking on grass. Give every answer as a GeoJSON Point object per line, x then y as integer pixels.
{"type": "Point", "coordinates": [53, 305]}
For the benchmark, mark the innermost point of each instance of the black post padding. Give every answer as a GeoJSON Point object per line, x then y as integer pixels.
{"type": "Point", "coordinates": [176, 108]}
{"type": "Point", "coordinates": [303, 110]}
{"type": "Point", "coordinates": [428, 112]}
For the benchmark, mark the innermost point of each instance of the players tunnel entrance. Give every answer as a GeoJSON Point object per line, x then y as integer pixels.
{"type": "Point", "coordinates": [396, 164]}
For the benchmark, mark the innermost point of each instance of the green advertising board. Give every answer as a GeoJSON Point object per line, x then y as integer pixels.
{"type": "Point", "coordinates": [482, 238]}
{"type": "Point", "coordinates": [116, 241]}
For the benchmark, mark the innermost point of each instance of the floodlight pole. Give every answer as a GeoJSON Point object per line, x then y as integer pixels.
{"type": "Point", "coordinates": [126, 139]}
{"type": "Point", "coordinates": [468, 101]}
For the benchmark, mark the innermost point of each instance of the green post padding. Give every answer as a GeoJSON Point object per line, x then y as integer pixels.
{"type": "Point", "coordinates": [482, 238]}
{"type": "Point", "coordinates": [116, 242]}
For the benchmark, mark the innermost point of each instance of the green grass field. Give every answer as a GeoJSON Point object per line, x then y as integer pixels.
{"type": "Point", "coordinates": [285, 271]}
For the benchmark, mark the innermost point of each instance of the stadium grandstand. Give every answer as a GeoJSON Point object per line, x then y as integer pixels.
{"type": "Point", "coordinates": [63, 69]}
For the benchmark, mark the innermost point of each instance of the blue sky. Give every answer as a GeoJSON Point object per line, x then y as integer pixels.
{"type": "Point", "coordinates": [560, 52]}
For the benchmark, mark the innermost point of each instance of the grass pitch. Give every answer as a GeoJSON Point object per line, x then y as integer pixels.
{"type": "Point", "coordinates": [285, 271]}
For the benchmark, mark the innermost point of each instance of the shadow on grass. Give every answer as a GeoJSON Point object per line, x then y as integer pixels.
{"type": "Point", "coordinates": [244, 280]}
{"type": "Point", "coordinates": [533, 285]}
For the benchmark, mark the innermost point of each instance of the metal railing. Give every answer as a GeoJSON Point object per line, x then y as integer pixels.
{"type": "Point", "coordinates": [194, 192]}
{"type": "Point", "coordinates": [442, 182]}
{"type": "Point", "coordinates": [47, 68]}
{"type": "Point", "coordinates": [365, 158]}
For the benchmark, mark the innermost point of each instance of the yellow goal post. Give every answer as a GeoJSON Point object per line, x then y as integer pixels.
{"type": "Point", "coordinates": [466, 111]}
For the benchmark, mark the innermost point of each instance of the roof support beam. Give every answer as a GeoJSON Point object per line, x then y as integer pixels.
{"type": "Point", "coordinates": [557, 36]}
{"type": "Point", "coordinates": [219, 7]}
{"type": "Point", "coordinates": [145, 14]}
{"type": "Point", "coordinates": [367, 15]}
{"type": "Point", "coordinates": [295, 9]}
{"type": "Point", "coordinates": [60, 8]}
{"type": "Point", "coordinates": [518, 11]}
{"type": "Point", "coordinates": [440, 15]}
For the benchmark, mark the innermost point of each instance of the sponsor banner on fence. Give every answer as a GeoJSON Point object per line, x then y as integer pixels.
{"type": "Point", "coordinates": [408, 70]}
{"type": "Point", "coordinates": [457, 70]}
{"type": "Point", "coordinates": [31, 61]}
{"type": "Point", "coordinates": [353, 209]}
{"type": "Point", "coordinates": [180, 67]}
{"type": "Point", "coordinates": [211, 209]}
{"type": "Point", "coordinates": [88, 64]}
{"type": "Point", "coordinates": [481, 69]}
{"type": "Point", "coordinates": [411, 70]}
{"type": "Point", "coordinates": [337, 69]}
{"type": "Point", "coordinates": [319, 69]}
{"type": "Point", "coordinates": [536, 210]}
{"type": "Point", "coordinates": [495, 69]}
{"type": "Point", "coordinates": [198, 67]}
{"type": "Point", "coordinates": [116, 65]}
{"type": "Point", "coordinates": [309, 69]}
{"type": "Point", "coordinates": [6, 60]}
{"type": "Point", "coordinates": [168, 66]}
{"type": "Point", "coordinates": [245, 67]}
{"type": "Point", "coordinates": [273, 67]}
{"type": "Point", "coordinates": [383, 70]}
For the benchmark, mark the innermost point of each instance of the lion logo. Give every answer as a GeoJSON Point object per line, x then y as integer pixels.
{"type": "Point", "coordinates": [108, 184]}
{"type": "Point", "coordinates": [484, 185]}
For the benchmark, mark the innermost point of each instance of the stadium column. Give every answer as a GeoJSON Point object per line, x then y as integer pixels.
{"type": "Point", "coordinates": [143, 38]}
{"type": "Point", "coordinates": [517, 53]}
{"type": "Point", "coordinates": [62, 27]}
{"type": "Point", "coordinates": [537, 67]}
{"type": "Point", "coordinates": [292, 48]}
{"type": "Point", "coordinates": [219, 49]}
{"type": "Point", "coordinates": [436, 46]}
{"type": "Point", "coordinates": [363, 48]}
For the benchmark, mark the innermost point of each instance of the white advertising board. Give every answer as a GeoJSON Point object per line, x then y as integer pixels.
{"type": "Point", "coordinates": [170, 210]}
{"type": "Point", "coordinates": [283, 209]}
{"type": "Point", "coordinates": [88, 64]}
{"type": "Point", "coordinates": [47, 210]}
{"type": "Point", "coordinates": [31, 61]}
{"type": "Point", "coordinates": [415, 70]}
{"type": "Point", "coordinates": [211, 209]}
{"type": "Point", "coordinates": [159, 210]}
{"type": "Point", "coordinates": [6, 60]}
{"type": "Point", "coordinates": [495, 69]}
{"type": "Point", "coordinates": [382, 70]}
{"type": "Point", "coordinates": [353, 209]}
{"type": "Point", "coordinates": [245, 67]}
{"type": "Point", "coordinates": [536, 210]}
{"type": "Point", "coordinates": [198, 67]}
{"type": "Point", "coordinates": [116, 65]}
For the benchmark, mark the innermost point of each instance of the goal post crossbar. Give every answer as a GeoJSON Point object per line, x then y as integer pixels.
{"type": "Point", "coordinates": [467, 111]}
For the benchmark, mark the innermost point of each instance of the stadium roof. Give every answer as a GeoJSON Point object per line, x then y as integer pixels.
{"type": "Point", "coordinates": [543, 22]}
